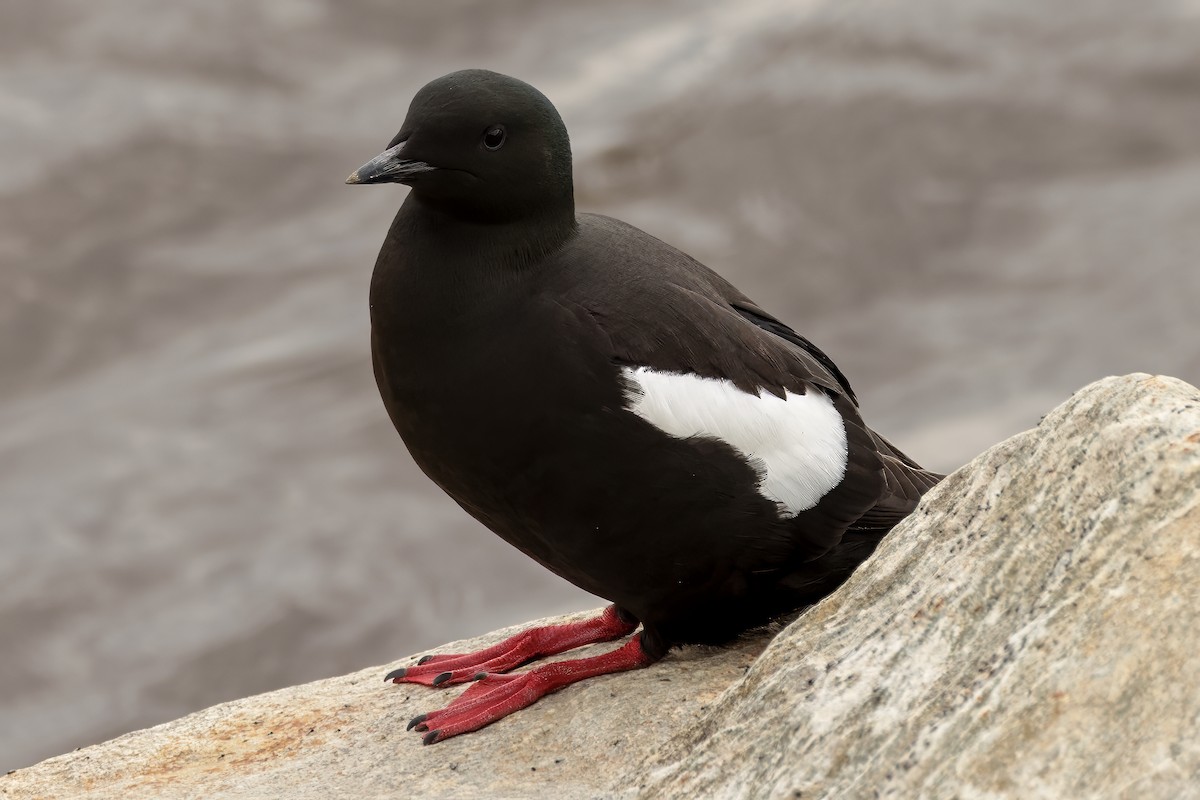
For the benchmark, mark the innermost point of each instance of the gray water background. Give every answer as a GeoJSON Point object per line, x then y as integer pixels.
{"type": "Point", "coordinates": [975, 206]}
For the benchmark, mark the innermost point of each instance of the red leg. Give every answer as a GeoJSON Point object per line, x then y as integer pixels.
{"type": "Point", "coordinates": [514, 651]}
{"type": "Point", "coordinates": [496, 696]}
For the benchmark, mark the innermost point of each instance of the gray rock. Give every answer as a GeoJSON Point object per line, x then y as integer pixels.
{"type": "Point", "coordinates": [1032, 631]}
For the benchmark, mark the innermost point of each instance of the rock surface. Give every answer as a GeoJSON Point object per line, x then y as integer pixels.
{"type": "Point", "coordinates": [1032, 631]}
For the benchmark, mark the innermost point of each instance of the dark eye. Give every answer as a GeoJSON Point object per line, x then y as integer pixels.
{"type": "Point", "coordinates": [493, 138]}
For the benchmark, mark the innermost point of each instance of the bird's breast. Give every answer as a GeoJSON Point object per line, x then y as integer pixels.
{"type": "Point", "coordinates": [480, 397]}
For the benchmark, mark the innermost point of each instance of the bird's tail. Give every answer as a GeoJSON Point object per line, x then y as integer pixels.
{"type": "Point", "coordinates": [905, 482]}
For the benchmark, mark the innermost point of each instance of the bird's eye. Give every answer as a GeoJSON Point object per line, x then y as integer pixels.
{"type": "Point", "coordinates": [493, 138]}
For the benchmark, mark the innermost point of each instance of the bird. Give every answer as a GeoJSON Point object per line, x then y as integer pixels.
{"type": "Point", "coordinates": [606, 404]}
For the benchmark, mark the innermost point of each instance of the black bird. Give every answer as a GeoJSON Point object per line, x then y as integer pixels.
{"type": "Point", "coordinates": [605, 403]}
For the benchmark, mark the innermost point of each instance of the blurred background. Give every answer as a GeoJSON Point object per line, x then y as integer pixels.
{"type": "Point", "coordinates": [974, 206]}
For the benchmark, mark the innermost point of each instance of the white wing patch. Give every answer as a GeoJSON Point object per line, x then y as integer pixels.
{"type": "Point", "coordinates": [800, 440]}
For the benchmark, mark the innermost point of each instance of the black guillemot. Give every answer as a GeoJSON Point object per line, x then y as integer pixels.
{"type": "Point", "coordinates": [604, 403]}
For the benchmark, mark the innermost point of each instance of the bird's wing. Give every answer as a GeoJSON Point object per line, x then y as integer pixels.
{"type": "Point", "coordinates": [654, 308]}
{"type": "Point", "coordinates": [905, 481]}
{"type": "Point", "coordinates": [662, 309]}
{"type": "Point", "coordinates": [768, 323]}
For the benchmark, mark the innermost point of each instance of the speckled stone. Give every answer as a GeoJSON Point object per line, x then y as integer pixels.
{"type": "Point", "coordinates": [345, 737]}
{"type": "Point", "coordinates": [1032, 631]}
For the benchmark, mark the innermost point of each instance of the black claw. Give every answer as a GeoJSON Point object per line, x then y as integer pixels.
{"type": "Point", "coordinates": [440, 679]}
{"type": "Point", "coordinates": [430, 737]}
{"type": "Point", "coordinates": [395, 675]}
{"type": "Point", "coordinates": [415, 721]}
{"type": "Point", "coordinates": [423, 659]}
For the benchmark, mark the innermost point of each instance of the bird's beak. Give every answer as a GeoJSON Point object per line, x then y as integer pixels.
{"type": "Point", "coordinates": [390, 166]}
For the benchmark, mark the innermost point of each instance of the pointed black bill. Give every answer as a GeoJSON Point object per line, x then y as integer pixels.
{"type": "Point", "coordinates": [390, 166]}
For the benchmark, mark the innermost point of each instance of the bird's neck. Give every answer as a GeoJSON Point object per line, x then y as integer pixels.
{"type": "Point", "coordinates": [515, 244]}
{"type": "Point", "coordinates": [447, 264]}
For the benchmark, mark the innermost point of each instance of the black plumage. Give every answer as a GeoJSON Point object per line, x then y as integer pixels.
{"type": "Point", "coordinates": [504, 326]}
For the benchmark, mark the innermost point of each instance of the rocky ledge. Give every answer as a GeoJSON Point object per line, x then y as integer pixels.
{"type": "Point", "coordinates": [1032, 631]}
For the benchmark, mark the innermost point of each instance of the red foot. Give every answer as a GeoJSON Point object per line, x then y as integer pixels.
{"type": "Point", "coordinates": [535, 643]}
{"type": "Point", "coordinates": [496, 696]}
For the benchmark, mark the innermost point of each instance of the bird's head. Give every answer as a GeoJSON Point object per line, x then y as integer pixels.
{"type": "Point", "coordinates": [481, 146]}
